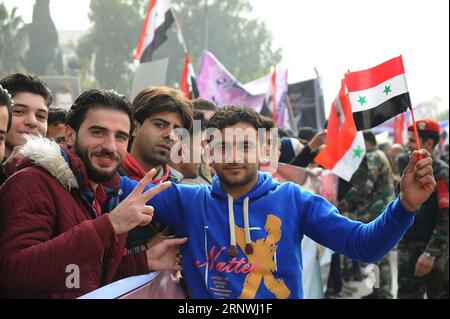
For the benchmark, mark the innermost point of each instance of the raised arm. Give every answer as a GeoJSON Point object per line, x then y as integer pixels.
{"type": "Point", "coordinates": [371, 242]}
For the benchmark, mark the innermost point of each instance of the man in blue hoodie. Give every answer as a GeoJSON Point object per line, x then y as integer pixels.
{"type": "Point", "coordinates": [245, 230]}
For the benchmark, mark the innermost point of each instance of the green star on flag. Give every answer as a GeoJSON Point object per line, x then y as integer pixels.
{"type": "Point", "coordinates": [357, 152]}
{"type": "Point", "coordinates": [387, 89]}
{"type": "Point", "coordinates": [362, 100]}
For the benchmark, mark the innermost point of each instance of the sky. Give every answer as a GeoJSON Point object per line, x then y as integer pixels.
{"type": "Point", "coordinates": [334, 37]}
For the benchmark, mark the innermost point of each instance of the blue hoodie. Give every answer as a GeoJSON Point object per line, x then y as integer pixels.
{"type": "Point", "coordinates": [279, 215]}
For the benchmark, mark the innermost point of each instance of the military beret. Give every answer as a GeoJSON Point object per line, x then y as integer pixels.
{"type": "Point", "coordinates": [426, 125]}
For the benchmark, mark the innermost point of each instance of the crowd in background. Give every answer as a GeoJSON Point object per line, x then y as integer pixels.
{"type": "Point", "coordinates": [27, 109]}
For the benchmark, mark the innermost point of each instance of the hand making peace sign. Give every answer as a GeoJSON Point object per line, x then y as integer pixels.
{"type": "Point", "coordinates": [133, 211]}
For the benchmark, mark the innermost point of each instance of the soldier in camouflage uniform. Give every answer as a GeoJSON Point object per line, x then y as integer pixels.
{"type": "Point", "coordinates": [423, 252]}
{"type": "Point", "coordinates": [373, 189]}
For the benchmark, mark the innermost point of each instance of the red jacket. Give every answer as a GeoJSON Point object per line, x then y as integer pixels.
{"type": "Point", "coordinates": [48, 224]}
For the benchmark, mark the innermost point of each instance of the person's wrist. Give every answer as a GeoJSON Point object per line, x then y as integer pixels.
{"type": "Point", "coordinates": [114, 224]}
{"type": "Point", "coordinates": [312, 146]}
{"type": "Point", "coordinates": [407, 204]}
{"type": "Point", "coordinates": [150, 261]}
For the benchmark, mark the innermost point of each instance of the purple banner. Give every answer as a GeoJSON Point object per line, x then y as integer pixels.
{"type": "Point", "coordinates": [217, 84]}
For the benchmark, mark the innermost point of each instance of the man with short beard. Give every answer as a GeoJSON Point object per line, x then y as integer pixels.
{"type": "Point", "coordinates": [62, 229]}
{"type": "Point", "coordinates": [245, 230]}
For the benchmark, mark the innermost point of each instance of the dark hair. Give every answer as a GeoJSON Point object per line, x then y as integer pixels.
{"type": "Point", "coordinates": [6, 101]}
{"type": "Point", "coordinates": [267, 122]}
{"type": "Point", "coordinates": [56, 116]}
{"type": "Point", "coordinates": [283, 133]}
{"type": "Point", "coordinates": [306, 133]}
{"type": "Point", "coordinates": [204, 105]}
{"type": "Point", "coordinates": [233, 114]}
{"type": "Point", "coordinates": [370, 138]}
{"type": "Point", "coordinates": [425, 135]}
{"type": "Point", "coordinates": [199, 116]}
{"type": "Point", "coordinates": [108, 99]}
{"type": "Point", "coordinates": [21, 83]}
{"type": "Point", "coordinates": [155, 100]}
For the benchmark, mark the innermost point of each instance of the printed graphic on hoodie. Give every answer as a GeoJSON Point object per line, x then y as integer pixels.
{"type": "Point", "coordinates": [258, 268]}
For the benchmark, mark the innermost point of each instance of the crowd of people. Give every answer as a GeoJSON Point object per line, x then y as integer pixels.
{"type": "Point", "coordinates": [167, 184]}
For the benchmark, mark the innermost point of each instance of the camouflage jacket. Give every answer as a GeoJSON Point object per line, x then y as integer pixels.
{"type": "Point", "coordinates": [431, 223]}
{"type": "Point", "coordinates": [372, 188]}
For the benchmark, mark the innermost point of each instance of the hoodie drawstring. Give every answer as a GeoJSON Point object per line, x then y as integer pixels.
{"type": "Point", "coordinates": [233, 248]}
{"type": "Point", "coordinates": [248, 241]}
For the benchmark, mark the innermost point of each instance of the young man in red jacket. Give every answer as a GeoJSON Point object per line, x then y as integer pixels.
{"type": "Point", "coordinates": [67, 236]}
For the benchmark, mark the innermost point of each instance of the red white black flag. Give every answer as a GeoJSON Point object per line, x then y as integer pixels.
{"type": "Point", "coordinates": [188, 82]}
{"type": "Point", "coordinates": [158, 20]}
{"type": "Point", "coordinates": [378, 94]}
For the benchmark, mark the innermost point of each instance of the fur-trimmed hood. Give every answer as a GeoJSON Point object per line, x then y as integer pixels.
{"type": "Point", "coordinates": [47, 154]}
{"type": "Point", "coordinates": [69, 170]}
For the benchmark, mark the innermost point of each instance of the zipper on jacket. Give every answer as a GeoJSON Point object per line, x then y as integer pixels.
{"type": "Point", "coordinates": [104, 256]}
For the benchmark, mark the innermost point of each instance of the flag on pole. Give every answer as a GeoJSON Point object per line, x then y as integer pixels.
{"type": "Point", "coordinates": [188, 83]}
{"type": "Point", "coordinates": [158, 20]}
{"type": "Point", "coordinates": [345, 148]}
{"type": "Point", "coordinates": [378, 94]}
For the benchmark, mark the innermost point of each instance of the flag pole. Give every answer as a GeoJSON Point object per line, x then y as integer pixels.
{"type": "Point", "coordinates": [187, 60]}
{"type": "Point", "coordinates": [318, 99]}
{"type": "Point", "coordinates": [416, 134]}
{"type": "Point", "coordinates": [179, 31]}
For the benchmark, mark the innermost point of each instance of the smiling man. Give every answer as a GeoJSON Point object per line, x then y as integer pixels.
{"type": "Point", "coordinates": [245, 230]}
{"type": "Point", "coordinates": [32, 99]}
{"type": "Point", "coordinates": [67, 236]}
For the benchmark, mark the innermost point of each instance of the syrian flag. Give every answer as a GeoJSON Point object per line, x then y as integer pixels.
{"type": "Point", "coordinates": [378, 94]}
{"type": "Point", "coordinates": [188, 82]}
{"type": "Point", "coordinates": [345, 148]}
{"type": "Point", "coordinates": [158, 20]}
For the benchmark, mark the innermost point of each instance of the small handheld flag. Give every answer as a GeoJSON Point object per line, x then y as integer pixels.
{"type": "Point", "coordinates": [378, 94]}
